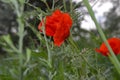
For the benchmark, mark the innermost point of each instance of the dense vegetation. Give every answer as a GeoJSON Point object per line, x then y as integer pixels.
{"type": "Point", "coordinates": [28, 54]}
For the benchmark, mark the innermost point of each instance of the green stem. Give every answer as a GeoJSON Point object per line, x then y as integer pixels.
{"type": "Point", "coordinates": [71, 6]}
{"type": "Point", "coordinates": [49, 54]}
{"type": "Point", "coordinates": [53, 6]}
{"type": "Point", "coordinates": [64, 4]}
{"type": "Point", "coordinates": [47, 5]}
{"type": "Point", "coordinates": [113, 57]}
{"type": "Point", "coordinates": [21, 35]}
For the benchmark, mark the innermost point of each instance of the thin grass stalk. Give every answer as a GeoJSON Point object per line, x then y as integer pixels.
{"type": "Point", "coordinates": [71, 6]}
{"type": "Point", "coordinates": [64, 4]}
{"type": "Point", "coordinates": [113, 57]}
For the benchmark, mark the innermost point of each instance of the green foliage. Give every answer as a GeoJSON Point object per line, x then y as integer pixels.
{"type": "Point", "coordinates": [38, 59]}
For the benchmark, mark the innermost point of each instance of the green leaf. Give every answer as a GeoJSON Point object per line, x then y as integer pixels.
{"type": "Point", "coordinates": [8, 40]}
{"type": "Point", "coordinates": [28, 54]}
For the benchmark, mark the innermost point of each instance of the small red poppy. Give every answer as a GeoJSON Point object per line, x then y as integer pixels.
{"type": "Point", "coordinates": [58, 26]}
{"type": "Point", "coordinates": [115, 45]}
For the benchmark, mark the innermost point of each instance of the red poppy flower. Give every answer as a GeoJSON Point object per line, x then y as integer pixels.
{"type": "Point", "coordinates": [58, 26]}
{"type": "Point", "coordinates": [115, 45]}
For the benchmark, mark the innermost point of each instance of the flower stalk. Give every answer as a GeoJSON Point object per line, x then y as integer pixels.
{"type": "Point", "coordinates": [19, 8]}
{"type": "Point", "coordinates": [113, 58]}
